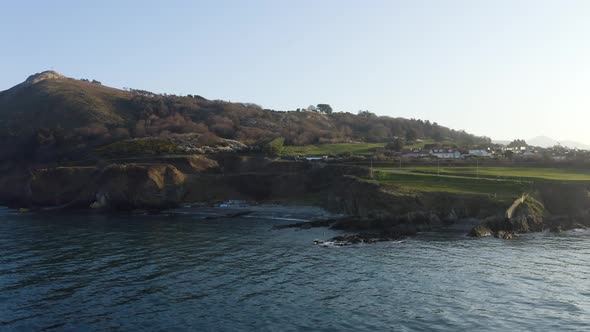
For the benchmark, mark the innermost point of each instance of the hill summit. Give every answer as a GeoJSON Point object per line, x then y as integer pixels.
{"type": "Point", "coordinates": [45, 75]}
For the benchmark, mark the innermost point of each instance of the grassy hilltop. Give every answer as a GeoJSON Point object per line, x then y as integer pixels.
{"type": "Point", "coordinates": [53, 116]}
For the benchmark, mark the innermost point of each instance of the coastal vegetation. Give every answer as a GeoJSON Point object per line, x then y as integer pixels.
{"type": "Point", "coordinates": [77, 143]}
{"type": "Point", "coordinates": [52, 117]}
{"type": "Point", "coordinates": [155, 146]}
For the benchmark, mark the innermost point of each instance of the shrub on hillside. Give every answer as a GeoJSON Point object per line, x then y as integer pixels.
{"type": "Point", "coordinates": [275, 146]}
{"type": "Point", "coordinates": [139, 147]}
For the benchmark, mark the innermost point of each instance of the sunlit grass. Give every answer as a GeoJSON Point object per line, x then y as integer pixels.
{"type": "Point", "coordinates": [432, 183]}
{"type": "Point", "coordinates": [526, 173]}
{"type": "Point", "coordinates": [338, 148]}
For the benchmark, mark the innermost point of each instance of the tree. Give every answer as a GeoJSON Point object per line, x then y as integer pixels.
{"type": "Point", "coordinates": [397, 145]}
{"type": "Point", "coordinates": [365, 114]}
{"type": "Point", "coordinates": [378, 133]}
{"type": "Point", "coordinates": [437, 136]}
{"type": "Point", "coordinates": [411, 135]}
{"type": "Point", "coordinates": [325, 108]}
{"type": "Point", "coordinates": [517, 143]}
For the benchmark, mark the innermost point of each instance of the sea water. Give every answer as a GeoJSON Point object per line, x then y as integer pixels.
{"type": "Point", "coordinates": [80, 272]}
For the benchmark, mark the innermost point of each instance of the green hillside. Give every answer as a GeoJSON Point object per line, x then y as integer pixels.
{"type": "Point", "coordinates": [64, 103]}
{"type": "Point", "coordinates": [50, 115]}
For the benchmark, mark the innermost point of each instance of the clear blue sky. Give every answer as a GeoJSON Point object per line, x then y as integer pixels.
{"type": "Point", "coordinates": [501, 68]}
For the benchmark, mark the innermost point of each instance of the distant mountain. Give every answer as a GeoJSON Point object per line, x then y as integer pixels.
{"type": "Point", "coordinates": [545, 142]}
{"type": "Point", "coordinates": [542, 141]}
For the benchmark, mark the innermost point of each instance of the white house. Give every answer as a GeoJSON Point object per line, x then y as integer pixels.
{"type": "Point", "coordinates": [446, 153]}
{"type": "Point", "coordinates": [416, 153]}
{"type": "Point", "coordinates": [515, 148]}
{"type": "Point", "coordinates": [480, 153]}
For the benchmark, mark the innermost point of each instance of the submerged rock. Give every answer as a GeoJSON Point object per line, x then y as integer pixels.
{"type": "Point", "coordinates": [367, 237]}
{"type": "Point", "coordinates": [504, 235]}
{"type": "Point", "coordinates": [481, 230]}
{"type": "Point", "coordinates": [315, 223]}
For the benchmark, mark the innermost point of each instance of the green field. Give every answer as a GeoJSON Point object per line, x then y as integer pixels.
{"type": "Point", "coordinates": [326, 149]}
{"type": "Point", "coordinates": [432, 183]}
{"type": "Point", "coordinates": [354, 148]}
{"type": "Point", "coordinates": [525, 173]}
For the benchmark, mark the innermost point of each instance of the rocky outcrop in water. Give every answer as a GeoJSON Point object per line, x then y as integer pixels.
{"type": "Point", "coordinates": [371, 237]}
{"type": "Point", "coordinates": [376, 234]}
{"type": "Point", "coordinates": [525, 215]}
{"type": "Point", "coordinates": [536, 213]}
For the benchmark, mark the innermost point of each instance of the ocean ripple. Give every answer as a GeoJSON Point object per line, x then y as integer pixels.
{"type": "Point", "coordinates": [177, 272]}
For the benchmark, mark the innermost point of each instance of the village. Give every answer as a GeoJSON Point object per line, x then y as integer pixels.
{"type": "Point", "coordinates": [494, 151]}
{"type": "Point", "coordinates": [518, 151]}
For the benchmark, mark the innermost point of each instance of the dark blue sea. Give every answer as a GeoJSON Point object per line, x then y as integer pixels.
{"type": "Point", "coordinates": [180, 272]}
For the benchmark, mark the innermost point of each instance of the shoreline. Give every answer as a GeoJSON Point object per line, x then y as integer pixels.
{"type": "Point", "coordinates": [260, 187]}
{"type": "Point", "coordinates": [303, 217]}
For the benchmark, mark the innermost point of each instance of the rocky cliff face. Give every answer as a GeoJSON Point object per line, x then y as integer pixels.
{"type": "Point", "coordinates": [127, 186]}
{"type": "Point", "coordinates": [527, 214]}
{"type": "Point", "coordinates": [115, 186]}
{"type": "Point", "coordinates": [138, 186]}
{"type": "Point", "coordinates": [553, 206]}
{"type": "Point", "coordinates": [338, 188]}
{"type": "Point", "coordinates": [388, 208]}
{"type": "Point", "coordinates": [62, 185]}
{"type": "Point", "coordinates": [14, 189]}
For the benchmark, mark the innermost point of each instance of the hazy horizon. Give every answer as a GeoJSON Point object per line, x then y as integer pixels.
{"type": "Point", "coordinates": [503, 69]}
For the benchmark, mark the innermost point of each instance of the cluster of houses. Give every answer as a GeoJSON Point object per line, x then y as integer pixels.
{"type": "Point", "coordinates": [527, 153]}
{"type": "Point", "coordinates": [446, 153]}
{"type": "Point", "coordinates": [531, 153]}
